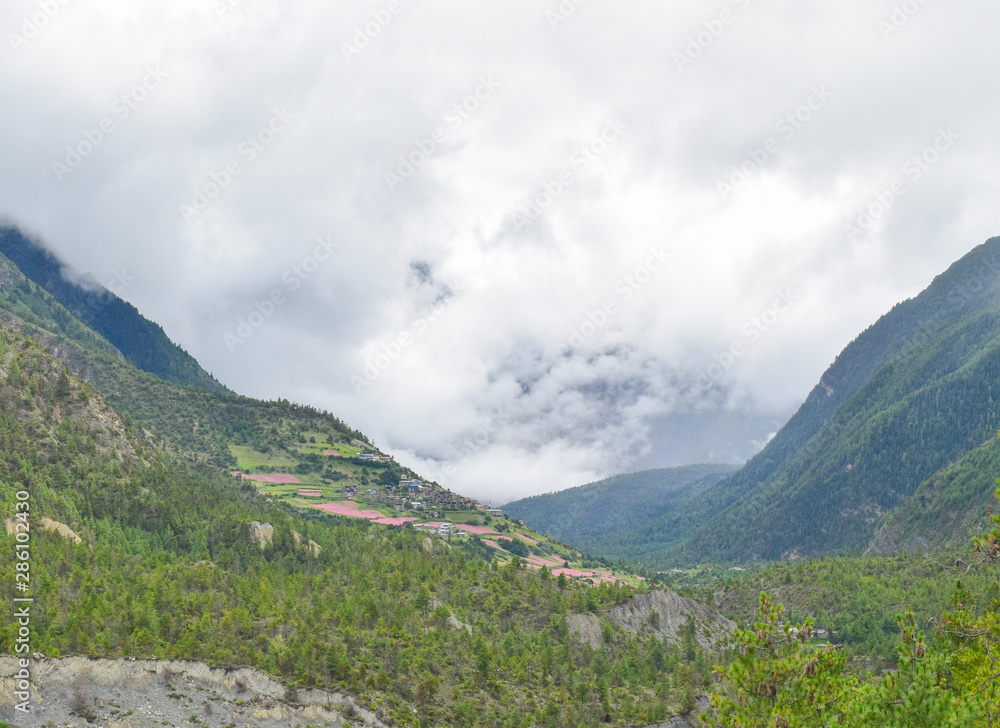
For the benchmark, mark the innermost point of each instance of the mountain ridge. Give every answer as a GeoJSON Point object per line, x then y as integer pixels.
{"type": "Point", "coordinates": [141, 341]}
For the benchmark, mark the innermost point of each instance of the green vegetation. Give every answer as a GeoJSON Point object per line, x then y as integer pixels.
{"type": "Point", "coordinates": [776, 678]}
{"type": "Point", "coordinates": [854, 599]}
{"type": "Point", "coordinates": [426, 631]}
{"type": "Point", "coordinates": [250, 460]}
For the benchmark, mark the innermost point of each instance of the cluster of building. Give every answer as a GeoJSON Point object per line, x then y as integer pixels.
{"type": "Point", "coordinates": [415, 494]}
{"type": "Point", "coordinates": [440, 529]}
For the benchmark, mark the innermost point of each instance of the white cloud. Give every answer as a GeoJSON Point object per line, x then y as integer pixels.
{"type": "Point", "coordinates": [504, 301]}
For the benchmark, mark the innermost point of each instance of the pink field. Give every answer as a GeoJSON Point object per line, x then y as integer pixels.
{"type": "Point", "coordinates": [494, 544]}
{"type": "Point", "coordinates": [349, 509]}
{"type": "Point", "coordinates": [526, 539]}
{"type": "Point", "coordinates": [332, 453]}
{"type": "Point", "coordinates": [544, 562]}
{"type": "Point", "coordinates": [570, 572]}
{"type": "Point", "coordinates": [477, 530]}
{"type": "Point", "coordinates": [394, 521]}
{"type": "Point", "coordinates": [280, 479]}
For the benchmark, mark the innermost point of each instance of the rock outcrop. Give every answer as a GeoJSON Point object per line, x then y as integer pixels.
{"type": "Point", "coordinates": [313, 547]}
{"type": "Point", "coordinates": [61, 528]}
{"type": "Point", "coordinates": [47, 524]}
{"type": "Point", "coordinates": [661, 613]}
{"type": "Point", "coordinates": [675, 722]}
{"type": "Point", "coordinates": [262, 534]}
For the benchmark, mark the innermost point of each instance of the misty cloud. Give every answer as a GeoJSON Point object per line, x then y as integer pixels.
{"type": "Point", "coordinates": [520, 334]}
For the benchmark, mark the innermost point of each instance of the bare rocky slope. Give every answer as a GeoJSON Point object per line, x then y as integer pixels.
{"type": "Point", "coordinates": [75, 692]}
{"type": "Point", "coordinates": [661, 613]}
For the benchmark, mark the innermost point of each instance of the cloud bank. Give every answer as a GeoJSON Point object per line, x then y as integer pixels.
{"type": "Point", "coordinates": [522, 245]}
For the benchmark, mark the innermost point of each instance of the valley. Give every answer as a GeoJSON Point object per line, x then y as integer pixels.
{"type": "Point", "coordinates": [177, 521]}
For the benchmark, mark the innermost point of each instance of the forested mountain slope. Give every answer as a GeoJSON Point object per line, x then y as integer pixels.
{"type": "Point", "coordinates": [141, 341]}
{"type": "Point", "coordinates": [913, 393]}
{"type": "Point", "coordinates": [948, 508]}
{"type": "Point", "coordinates": [912, 403]}
{"type": "Point", "coordinates": [615, 516]}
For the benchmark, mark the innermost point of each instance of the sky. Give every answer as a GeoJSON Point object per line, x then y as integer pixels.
{"type": "Point", "coordinates": [521, 245]}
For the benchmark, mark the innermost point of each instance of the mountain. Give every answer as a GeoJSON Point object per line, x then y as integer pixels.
{"type": "Point", "coordinates": [914, 393]}
{"type": "Point", "coordinates": [144, 544]}
{"type": "Point", "coordinates": [611, 517]}
{"type": "Point", "coordinates": [140, 341]}
{"type": "Point", "coordinates": [895, 447]}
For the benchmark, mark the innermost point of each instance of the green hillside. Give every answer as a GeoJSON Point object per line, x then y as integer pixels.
{"type": "Point", "coordinates": [919, 390]}
{"type": "Point", "coordinates": [613, 517]}
{"type": "Point", "coordinates": [948, 508]}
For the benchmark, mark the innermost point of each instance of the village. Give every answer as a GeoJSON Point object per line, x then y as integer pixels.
{"type": "Point", "coordinates": [416, 495]}
{"type": "Point", "coordinates": [346, 480]}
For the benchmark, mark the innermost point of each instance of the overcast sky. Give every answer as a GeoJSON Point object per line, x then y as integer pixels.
{"type": "Point", "coordinates": [522, 245]}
